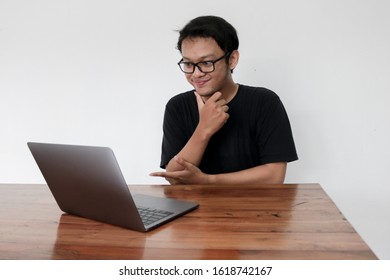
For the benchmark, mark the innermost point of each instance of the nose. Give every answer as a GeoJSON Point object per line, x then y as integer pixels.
{"type": "Point", "coordinates": [197, 72]}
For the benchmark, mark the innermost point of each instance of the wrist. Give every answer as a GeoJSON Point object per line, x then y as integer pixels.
{"type": "Point", "coordinates": [202, 134]}
{"type": "Point", "coordinates": [211, 179]}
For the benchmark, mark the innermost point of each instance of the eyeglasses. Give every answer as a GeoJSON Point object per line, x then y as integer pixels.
{"type": "Point", "coordinates": [203, 66]}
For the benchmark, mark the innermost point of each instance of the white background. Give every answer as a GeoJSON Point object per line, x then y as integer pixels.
{"type": "Point", "coordinates": [99, 72]}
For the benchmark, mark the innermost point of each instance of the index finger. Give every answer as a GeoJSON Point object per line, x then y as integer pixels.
{"type": "Point", "coordinates": [171, 175]}
{"type": "Point", "coordinates": [216, 96]}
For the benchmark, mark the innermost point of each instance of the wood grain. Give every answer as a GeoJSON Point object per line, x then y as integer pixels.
{"type": "Point", "coordinates": [297, 221]}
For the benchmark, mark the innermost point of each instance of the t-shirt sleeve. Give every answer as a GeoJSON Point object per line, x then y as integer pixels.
{"type": "Point", "coordinates": [173, 133]}
{"type": "Point", "coordinates": [275, 138]}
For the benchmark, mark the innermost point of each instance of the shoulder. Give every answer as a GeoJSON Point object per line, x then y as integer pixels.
{"type": "Point", "coordinates": [257, 96]}
{"type": "Point", "coordinates": [182, 106]}
{"type": "Point", "coordinates": [181, 99]}
{"type": "Point", "coordinates": [257, 92]}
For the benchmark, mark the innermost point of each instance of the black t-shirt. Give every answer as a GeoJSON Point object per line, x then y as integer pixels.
{"type": "Point", "coordinates": [257, 132]}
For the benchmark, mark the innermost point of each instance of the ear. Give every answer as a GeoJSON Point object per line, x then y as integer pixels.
{"type": "Point", "coordinates": [233, 60]}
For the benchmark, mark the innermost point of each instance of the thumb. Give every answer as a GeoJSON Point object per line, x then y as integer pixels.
{"type": "Point", "coordinates": [215, 97]}
{"type": "Point", "coordinates": [199, 100]}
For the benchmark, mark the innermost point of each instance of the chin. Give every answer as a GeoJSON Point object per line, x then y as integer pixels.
{"type": "Point", "coordinates": [205, 93]}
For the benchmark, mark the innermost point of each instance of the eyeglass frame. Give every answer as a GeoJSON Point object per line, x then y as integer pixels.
{"type": "Point", "coordinates": [200, 68]}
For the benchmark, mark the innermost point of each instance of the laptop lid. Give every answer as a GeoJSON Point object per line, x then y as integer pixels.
{"type": "Point", "coordinates": [87, 181]}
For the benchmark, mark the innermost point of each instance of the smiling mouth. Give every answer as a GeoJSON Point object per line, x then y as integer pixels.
{"type": "Point", "coordinates": [201, 83]}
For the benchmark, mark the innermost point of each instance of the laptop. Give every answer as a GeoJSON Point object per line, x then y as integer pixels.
{"type": "Point", "coordinates": [86, 181]}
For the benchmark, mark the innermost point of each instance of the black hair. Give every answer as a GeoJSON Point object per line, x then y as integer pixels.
{"type": "Point", "coordinates": [211, 26]}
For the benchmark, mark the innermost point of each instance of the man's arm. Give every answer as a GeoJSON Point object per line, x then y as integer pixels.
{"type": "Point", "coordinates": [271, 173]}
{"type": "Point", "coordinates": [212, 116]}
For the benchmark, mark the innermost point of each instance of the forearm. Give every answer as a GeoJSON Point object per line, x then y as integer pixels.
{"type": "Point", "coordinates": [272, 173]}
{"type": "Point", "coordinates": [192, 152]}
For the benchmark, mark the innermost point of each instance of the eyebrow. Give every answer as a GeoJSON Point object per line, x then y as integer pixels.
{"type": "Point", "coordinates": [202, 58]}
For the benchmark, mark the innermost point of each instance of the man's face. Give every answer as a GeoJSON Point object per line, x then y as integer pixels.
{"type": "Point", "coordinates": [205, 49]}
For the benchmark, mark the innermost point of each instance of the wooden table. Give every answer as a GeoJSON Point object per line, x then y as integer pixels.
{"type": "Point", "coordinates": [233, 222]}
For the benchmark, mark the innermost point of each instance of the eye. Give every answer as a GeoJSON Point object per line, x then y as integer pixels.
{"type": "Point", "coordinates": [186, 64]}
{"type": "Point", "coordinates": [206, 64]}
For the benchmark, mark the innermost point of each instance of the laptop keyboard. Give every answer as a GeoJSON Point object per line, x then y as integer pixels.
{"type": "Point", "coordinates": [150, 215]}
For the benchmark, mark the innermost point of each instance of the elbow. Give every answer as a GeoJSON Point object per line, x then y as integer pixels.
{"type": "Point", "coordinates": [276, 180]}
{"type": "Point", "coordinates": [277, 172]}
